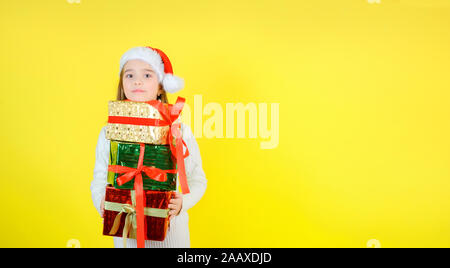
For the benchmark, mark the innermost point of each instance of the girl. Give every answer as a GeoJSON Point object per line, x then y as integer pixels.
{"type": "Point", "coordinates": [146, 74]}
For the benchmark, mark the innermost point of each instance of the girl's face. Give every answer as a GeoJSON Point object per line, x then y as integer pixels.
{"type": "Point", "coordinates": [140, 82]}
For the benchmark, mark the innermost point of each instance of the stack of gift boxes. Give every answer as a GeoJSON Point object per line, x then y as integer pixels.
{"type": "Point", "coordinates": [146, 154]}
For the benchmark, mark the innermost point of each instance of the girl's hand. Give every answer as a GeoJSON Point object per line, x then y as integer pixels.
{"type": "Point", "coordinates": [175, 205]}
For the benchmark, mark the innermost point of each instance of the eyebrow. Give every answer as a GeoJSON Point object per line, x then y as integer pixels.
{"type": "Point", "coordinates": [127, 70]}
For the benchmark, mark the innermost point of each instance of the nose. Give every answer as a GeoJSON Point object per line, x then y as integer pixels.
{"type": "Point", "coordinates": [137, 82]}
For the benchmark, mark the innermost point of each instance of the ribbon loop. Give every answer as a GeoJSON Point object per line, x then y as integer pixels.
{"type": "Point", "coordinates": [171, 115]}
{"type": "Point", "coordinates": [130, 219]}
{"type": "Point", "coordinates": [127, 208]}
{"type": "Point", "coordinates": [130, 173]}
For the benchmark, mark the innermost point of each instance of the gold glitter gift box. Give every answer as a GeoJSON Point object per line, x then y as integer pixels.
{"type": "Point", "coordinates": [138, 111]}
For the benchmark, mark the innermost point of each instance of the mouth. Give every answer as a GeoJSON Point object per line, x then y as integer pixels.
{"type": "Point", "coordinates": [138, 91]}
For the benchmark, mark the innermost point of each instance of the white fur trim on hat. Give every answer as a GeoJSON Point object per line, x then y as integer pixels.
{"type": "Point", "coordinates": [172, 83]}
{"type": "Point", "coordinates": [146, 54]}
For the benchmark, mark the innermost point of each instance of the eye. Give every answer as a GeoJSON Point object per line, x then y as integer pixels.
{"type": "Point", "coordinates": [147, 76]}
{"type": "Point", "coordinates": [127, 76]}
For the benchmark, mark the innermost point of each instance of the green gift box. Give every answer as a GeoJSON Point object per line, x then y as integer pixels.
{"type": "Point", "coordinates": [127, 154]}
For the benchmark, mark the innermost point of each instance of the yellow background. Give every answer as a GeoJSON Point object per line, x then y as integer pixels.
{"type": "Point", "coordinates": [364, 117]}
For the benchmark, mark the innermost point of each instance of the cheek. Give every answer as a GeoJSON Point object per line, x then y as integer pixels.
{"type": "Point", "coordinates": [151, 83]}
{"type": "Point", "coordinates": [152, 80]}
{"type": "Point", "coordinates": [126, 85]}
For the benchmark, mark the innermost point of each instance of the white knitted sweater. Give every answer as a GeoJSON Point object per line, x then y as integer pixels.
{"type": "Point", "coordinates": [178, 234]}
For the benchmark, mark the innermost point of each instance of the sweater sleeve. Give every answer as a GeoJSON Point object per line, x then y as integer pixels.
{"type": "Point", "coordinates": [98, 184]}
{"type": "Point", "coordinates": [195, 175]}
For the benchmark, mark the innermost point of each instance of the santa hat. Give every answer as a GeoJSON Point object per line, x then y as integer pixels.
{"type": "Point", "coordinates": [159, 62]}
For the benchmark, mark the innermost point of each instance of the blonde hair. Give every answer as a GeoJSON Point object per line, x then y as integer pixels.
{"type": "Point", "coordinates": [121, 93]}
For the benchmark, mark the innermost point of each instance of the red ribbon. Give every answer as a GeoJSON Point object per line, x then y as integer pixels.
{"type": "Point", "coordinates": [136, 121]}
{"type": "Point", "coordinates": [152, 172]}
{"type": "Point", "coordinates": [136, 173]}
{"type": "Point", "coordinates": [169, 113]}
{"type": "Point", "coordinates": [140, 201]}
{"type": "Point", "coordinates": [175, 131]}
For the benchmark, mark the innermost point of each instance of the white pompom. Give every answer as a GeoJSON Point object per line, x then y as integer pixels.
{"type": "Point", "coordinates": [172, 83]}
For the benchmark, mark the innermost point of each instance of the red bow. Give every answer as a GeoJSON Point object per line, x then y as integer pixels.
{"type": "Point", "coordinates": [152, 172]}
{"type": "Point", "coordinates": [170, 114]}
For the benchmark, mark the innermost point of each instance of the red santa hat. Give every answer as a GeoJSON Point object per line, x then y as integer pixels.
{"type": "Point", "coordinates": [159, 62]}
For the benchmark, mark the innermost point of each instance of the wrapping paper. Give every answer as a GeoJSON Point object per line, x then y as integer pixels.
{"type": "Point", "coordinates": [155, 227]}
{"type": "Point", "coordinates": [119, 129]}
{"type": "Point", "coordinates": [127, 154]}
{"type": "Point", "coordinates": [170, 114]}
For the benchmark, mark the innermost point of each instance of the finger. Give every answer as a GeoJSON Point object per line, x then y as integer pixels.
{"type": "Point", "coordinates": [177, 195]}
{"type": "Point", "coordinates": [176, 201]}
{"type": "Point", "coordinates": [173, 212]}
{"type": "Point", "coordinates": [172, 206]}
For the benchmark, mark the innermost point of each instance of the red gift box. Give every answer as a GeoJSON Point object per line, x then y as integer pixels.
{"type": "Point", "coordinates": [120, 214]}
